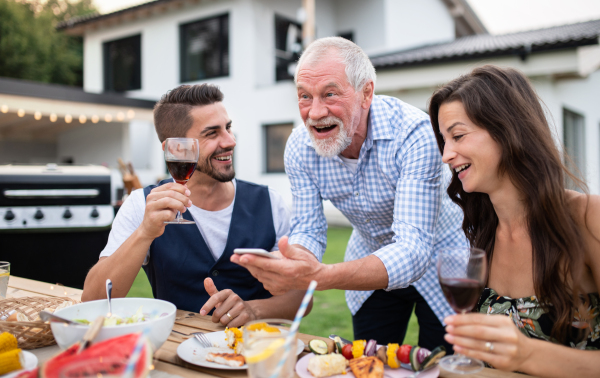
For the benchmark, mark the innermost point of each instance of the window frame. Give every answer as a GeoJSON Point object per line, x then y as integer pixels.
{"type": "Point", "coordinates": [278, 52]}
{"type": "Point", "coordinates": [107, 70]}
{"type": "Point", "coordinates": [224, 70]}
{"type": "Point", "coordinates": [267, 150]}
{"type": "Point", "coordinates": [576, 163]}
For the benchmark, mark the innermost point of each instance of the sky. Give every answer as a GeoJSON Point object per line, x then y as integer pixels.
{"type": "Point", "coordinates": [499, 16]}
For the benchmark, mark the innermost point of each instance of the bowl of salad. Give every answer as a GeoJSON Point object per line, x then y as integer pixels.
{"type": "Point", "coordinates": [129, 315]}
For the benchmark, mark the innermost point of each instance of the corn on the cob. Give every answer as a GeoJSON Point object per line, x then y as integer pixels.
{"type": "Point", "coordinates": [11, 361]}
{"type": "Point", "coordinates": [392, 359]}
{"type": "Point", "coordinates": [7, 342]}
{"type": "Point", "coordinates": [358, 348]}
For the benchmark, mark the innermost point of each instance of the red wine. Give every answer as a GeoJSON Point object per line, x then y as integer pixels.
{"type": "Point", "coordinates": [181, 170]}
{"type": "Point", "coordinates": [461, 293]}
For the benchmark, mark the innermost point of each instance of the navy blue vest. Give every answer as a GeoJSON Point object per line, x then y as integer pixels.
{"type": "Point", "coordinates": [180, 260]}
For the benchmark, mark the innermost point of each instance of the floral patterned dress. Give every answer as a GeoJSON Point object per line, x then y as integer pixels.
{"type": "Point", "coordinates": [532, 321]}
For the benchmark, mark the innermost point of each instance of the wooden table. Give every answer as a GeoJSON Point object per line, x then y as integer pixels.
{"type": "Point", "coordinates": [166, 359]}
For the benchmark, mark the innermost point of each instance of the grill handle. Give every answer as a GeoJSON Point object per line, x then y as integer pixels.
{"type": "Point", "coordinates": [51, 193]}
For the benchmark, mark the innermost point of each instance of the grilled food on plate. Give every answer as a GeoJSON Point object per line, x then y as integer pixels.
{"type": "Point", "coordinates": [229, 359]}
{"type": "Point", "coordinates": [327, 365]}
{"type": "Point", "coordinates": [391, 355]}
{"type": "Point", "coordinates": [366, 367]}
{"type": "Point", "coordinates": [235, 339]}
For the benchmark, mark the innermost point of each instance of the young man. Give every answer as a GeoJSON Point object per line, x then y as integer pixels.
{"type": "Point", "coordinates": [189, 264]}
{"type": "Point", "coordinates": [376, 159]}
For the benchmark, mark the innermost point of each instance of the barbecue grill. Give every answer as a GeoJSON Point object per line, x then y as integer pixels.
{"type": "Point", "coordinates": [54, 220]}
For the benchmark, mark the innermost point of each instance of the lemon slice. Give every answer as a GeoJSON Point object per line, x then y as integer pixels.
{"type": "Point", "coordinates": [253, 357]}
{"type": "Point", "coordinates": [4, 274]}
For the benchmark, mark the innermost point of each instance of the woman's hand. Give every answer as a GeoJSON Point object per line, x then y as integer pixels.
{"type": "Point", "coordinates": [491, 338]}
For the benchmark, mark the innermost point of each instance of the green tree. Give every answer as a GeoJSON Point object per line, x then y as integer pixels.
{"type": "Point", "coordinates": [30, 46]}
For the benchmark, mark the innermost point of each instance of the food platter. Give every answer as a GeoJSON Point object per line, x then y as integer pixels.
{"type": "Point", "coordinates": [31, 362]}
{"type": "Point", "coordinates": [192, 352]}
{"type": "Point", "coordinates": [302, 371]}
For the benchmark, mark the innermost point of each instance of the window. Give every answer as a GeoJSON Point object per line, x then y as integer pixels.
{"type": "Point", "coordinates": [205, 48]}
{"type": "Point", "coordinates": [347, 35]}
{"type": "Point", "coordinates": [288, 46]}
{"type": "Point", "coordinates": [275, 138]}
{"type": "Point", "coordinates": [574, 140]}
{"type": "Point", "coordinates": [123, 64]}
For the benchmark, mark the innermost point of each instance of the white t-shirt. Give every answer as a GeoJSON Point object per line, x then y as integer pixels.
{"type": "Point", "coordinates": [213, 225]}
{"type": "Point", "coordinates": [352, 164]}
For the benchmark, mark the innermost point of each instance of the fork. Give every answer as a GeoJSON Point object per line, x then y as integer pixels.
{"type": "Point", "coordinates": [201, 337]}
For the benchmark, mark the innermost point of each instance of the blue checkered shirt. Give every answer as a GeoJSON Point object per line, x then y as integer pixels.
{"type": "Point", "coordinates": [396, 200]}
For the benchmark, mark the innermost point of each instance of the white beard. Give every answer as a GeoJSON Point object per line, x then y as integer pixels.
{"type": "Point", "coordinates": [331, 146]}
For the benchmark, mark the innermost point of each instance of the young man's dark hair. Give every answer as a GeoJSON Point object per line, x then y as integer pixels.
{"type": "Point", "coordinates": [172, 113]}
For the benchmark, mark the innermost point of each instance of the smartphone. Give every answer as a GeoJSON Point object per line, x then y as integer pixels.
{"type": "Point", "coordinates": [255, 251]}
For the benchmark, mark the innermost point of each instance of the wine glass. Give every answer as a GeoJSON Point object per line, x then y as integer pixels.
{"type": "Point", "coordinates": [462, 273]}
{"type": "Point", "coordinates": [181, 156]}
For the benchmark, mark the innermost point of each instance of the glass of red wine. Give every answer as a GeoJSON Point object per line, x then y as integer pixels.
{"type": "Point", "coordinates": [181, 156]}
{"type": "Point", "coordinates": [462, 273]}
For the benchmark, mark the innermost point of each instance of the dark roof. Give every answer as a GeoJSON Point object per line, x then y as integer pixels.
{"type": "Point", "coordinates": [63, 92]}
{"type": "Point", "coordinates": [486, 45]}
{"type": "Point", "coordinates": [92, 17]}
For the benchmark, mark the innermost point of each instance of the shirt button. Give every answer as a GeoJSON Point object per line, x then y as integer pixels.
{"type": "Point", "coordinates": [356, 193]}
{"type": "Point", "coordinates": [215, 273]}
{"type": "Point", "coordinates": [368, 220]}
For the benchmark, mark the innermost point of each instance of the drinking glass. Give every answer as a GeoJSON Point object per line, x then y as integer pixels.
{"type": "Point", "coordinates": [4, 276]}
{"type": "Point", "coordinates": [264, 349]}
{"type": "Point", "coordinates": [181, 156]}
{"type": "Point", "coordinates": [462, 273]}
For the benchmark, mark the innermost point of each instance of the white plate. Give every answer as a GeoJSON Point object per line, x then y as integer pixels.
{"type": "Point", "coordinates": [191, 351]}
{"type": "Point", "coordinates": [301, 369]}
{"type": "Point", "coordinates": [31, 362]}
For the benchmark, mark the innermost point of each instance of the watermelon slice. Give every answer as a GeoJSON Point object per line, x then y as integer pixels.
{"type": "Point", "coordinates": [106, 357]}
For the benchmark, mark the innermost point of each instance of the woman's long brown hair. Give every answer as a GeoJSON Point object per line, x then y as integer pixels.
{"type": "Point", "coordinates": [503, 102]}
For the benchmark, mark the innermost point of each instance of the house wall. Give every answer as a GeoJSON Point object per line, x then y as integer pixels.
{"type": "Point", "coordinates": [554, 77]}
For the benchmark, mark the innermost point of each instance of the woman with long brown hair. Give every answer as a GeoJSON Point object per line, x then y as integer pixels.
{"type": "Point", "coordinates": [542, 241]}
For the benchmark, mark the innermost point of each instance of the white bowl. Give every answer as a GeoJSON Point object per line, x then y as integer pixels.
{"type": "Point", "coordinates": [159, 328]}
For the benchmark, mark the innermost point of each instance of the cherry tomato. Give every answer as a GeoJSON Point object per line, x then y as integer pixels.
{"type": "Point", "coordinates": [403, 353]}
{"type": "Point", "coordinates": [347, 351]}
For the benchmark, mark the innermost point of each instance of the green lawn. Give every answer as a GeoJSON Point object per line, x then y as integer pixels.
{"type": "Point", "coordinates": [330, 313]}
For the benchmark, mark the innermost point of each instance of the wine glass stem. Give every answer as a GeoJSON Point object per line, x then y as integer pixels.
{"type": "Point", "coordinates": [179, 218]}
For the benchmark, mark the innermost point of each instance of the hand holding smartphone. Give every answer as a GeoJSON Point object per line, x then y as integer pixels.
{"type": "Point", "coordinates": [255, 251]}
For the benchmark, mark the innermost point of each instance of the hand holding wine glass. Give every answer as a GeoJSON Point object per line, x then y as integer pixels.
{"type": "Point", "coordinates": [462, 273]}
{"type": "Point", "coordinates": [181, 156]}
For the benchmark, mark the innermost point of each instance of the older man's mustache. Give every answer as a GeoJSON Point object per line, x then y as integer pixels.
{"type": "Point", "coordinates": [327, 121]}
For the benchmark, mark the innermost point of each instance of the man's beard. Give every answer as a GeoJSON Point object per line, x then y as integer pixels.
{"type": "Point", "coordinates": [206, 167]}
{"type": "Point", "coordinates": [331, 146]}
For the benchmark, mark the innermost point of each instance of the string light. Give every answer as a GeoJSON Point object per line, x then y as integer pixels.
{"type": "Point", "coordinates": [82, 118]}
{"type": "Point", "coordinates": [21, 112]}
{"type": "Point", "coordinates": [108, 117]}
{"type": "Point", "coordinates": [95, 119]}
{"type": "Point", "coordinates": [37, 116]}
{"type": "Point", "coordinates": [53, 117]}
{"type": "Point", "coordinates": [130, 114]}
{"type": "Point", "coordinates": [120, 116]}
{"type": "Point", "coordinates": [4, 109]}
{"type": "Point", "coordinates": [68, 118]}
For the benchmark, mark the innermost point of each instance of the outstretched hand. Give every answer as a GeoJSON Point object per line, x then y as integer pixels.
{"type": "Point", "coordinates": [230, 309]}
{"type": "Point", "coordinates": [491, 338]}
{"type": "Point", "coordinates": [294, 271]}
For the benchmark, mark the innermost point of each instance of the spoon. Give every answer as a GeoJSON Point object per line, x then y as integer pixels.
{"type": "Point", "coordinates": [48, 316]}
{"type": "Point", "coordinates": [108, 295]}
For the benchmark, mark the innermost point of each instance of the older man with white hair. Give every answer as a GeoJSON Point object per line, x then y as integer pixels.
{"type": "Point", "coordinates": [376, 159]}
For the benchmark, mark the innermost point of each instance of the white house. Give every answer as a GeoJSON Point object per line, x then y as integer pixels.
{"type": "Point", "coordinates": [248, 47]}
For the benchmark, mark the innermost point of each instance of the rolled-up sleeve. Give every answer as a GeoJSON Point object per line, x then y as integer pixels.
{"type": "Point", "coordinates": [416, 208]}
{"type": "Point", "coordinates": [308, 224]}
